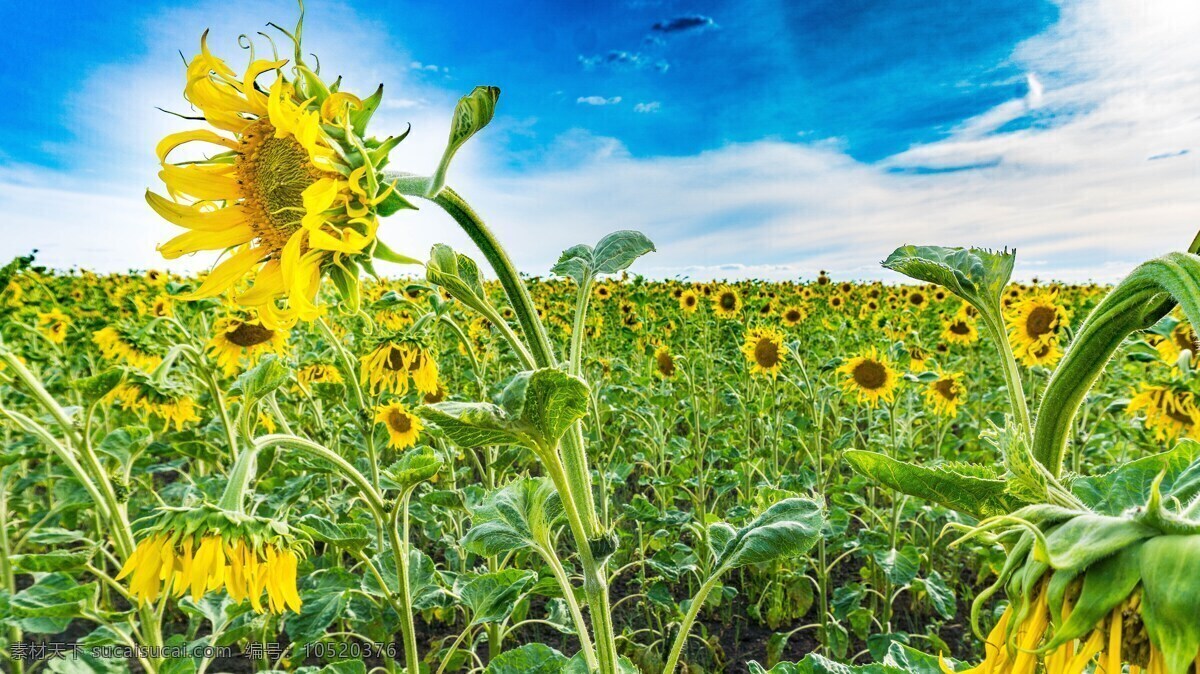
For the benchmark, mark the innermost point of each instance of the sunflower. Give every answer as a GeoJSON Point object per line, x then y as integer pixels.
{"type": "Point", "coordinates": [664, 362]}
{"type": "Point", "coordinates": [12, 294]}
{"type": "Point", "coordinates": [162, 307]}
{"type": "Point", "coordinates": [1171, 412]}
{"type": "Point", "coordinates": [602, 291]}
{"type": "Point", "coordinates": [1182, 338]}
{"type": "Point", "coordinates": [126, 346]}
{"type": "Point", "coordinates": [959, 328]}
{"type": "Point", "coordinates": [166, 400]}
{"type": "Point", "coordinates": [394, 319]}
{"type": "Point", "coordinates": [870, 377]}
{"type": "Point", "coordinates": [917, 359]}
{"type": "Point", "coordinates": [837, 302]}
{"type": "Point", "coordinates": [689, 301]}
{"type": "Point", "coordinates": [793, 316]}
{"type": "Point", "coordinates": [945, 393]}
{"type": "Point", "coordinates": [53, 324]}
{"type": "Point", "coordinates": [243, 340]}
{"type": "Point", "coordinates": [392, 363]}
{"type": "Point", "coordinates": [196, 551]}
{"type": "Point", "coordinates": [1033, 326]}
{"type": "Point", "coordinates": [403, 426]}
{"type": "Point", "coordinates": [764, 350]}
{"type": "Point", "coordinates": [293, 194]}
{"type": "Point", "coordinates": [726, 302]}
{"type": "Point", "coordinates": [317, 373]}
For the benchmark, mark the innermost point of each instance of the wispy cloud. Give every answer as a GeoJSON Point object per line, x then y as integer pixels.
{"type": "Point", "coordinates": [624, 59]}
{"type": "Point", "coordinates": [652, 106]}
{"type": "Point", "coordinates": [597, 100]}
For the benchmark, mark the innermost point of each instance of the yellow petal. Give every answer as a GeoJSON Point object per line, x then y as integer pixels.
{"type": "Point", "coordinates": [195, 241]}
{"type": "Point", "coordinates": [174, 140]}
{"type": "Point", "coordinates": [228, 273]}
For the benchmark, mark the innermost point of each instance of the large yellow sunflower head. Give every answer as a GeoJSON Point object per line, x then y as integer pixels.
{"type": "Point", "coordinates": [1034, 323]}
{"type": "Point", "coordinates": [870, 377]}
{"type": "Point", "coordinates": [402, 425]}
{"type": "Point", "coordinates": [241, 340]}
{"type": "Point", "coordinates": [203, 549]}
{"type": "Point", "coordinates": [764, 351]}
{"type": "Point", "coordinates": [294, 191]}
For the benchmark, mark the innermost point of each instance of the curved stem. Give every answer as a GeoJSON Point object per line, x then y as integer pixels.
{"type": "Point", "coordinates": [685, 627]}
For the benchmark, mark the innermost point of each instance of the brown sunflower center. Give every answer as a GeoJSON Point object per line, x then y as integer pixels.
{"type": "Point", "coordinates": [1185, 338]}
{"type": "Point", "coordinates": [728, 301]}
{"type": "Point", "coordinates": [1040, 321]}
{"type": "Point", "coordinates": [870, 374]}
{"type": "Point", "coordinates": [436, 397]}
{"type": "Point", "coordinates": [946, 389]}
{"type": "Point", "coordinates": [395, 359]}
{"type": "Point", "coordinates": [792, 316]}
{"type": "Point", "coordinates": [273, 174]}
{"type": "Point", "coordinates": [249, 334]}
{"type": "Point", "coordinates": [916, 299]}
{"type": "Point", "coordinates": [766, 353]}
{"type": "Point", "coordinates": [960, 328]}
{"type": "Point", "coordinates": [690, 300]}
{"type": "Point", "coordinates": [398, 421]}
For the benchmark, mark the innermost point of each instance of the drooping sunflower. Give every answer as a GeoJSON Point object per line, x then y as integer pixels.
{"type": "Point", "coordinates": [870, 377]}
{"type": "Point", "coordinates": [726, 302]}
{"type": "Point", "coordinates": [294, 194]}
{"type": "Point", "coordinates": [945, 394]}
{"type": "Point", "coordinates": [1182, 337]}
{"type": "Point", "coordinates": [164, 399]}
{"type": "Point", "coordinates": [689, 301]}
{"type": "Point", "coordinates": [124, 344]}
{"type": "Point", "coordinates": [1033, 326]}
{"type": "Point", "coordinates": [793, 316]}
{"type": "Point", "coordinates": [403, 426]}
{"type": "Point", "coordinates": [199, 550]}
{"type": "Point", "coordinates": [958, 328]}
{"type": "Point", "coordinates": [664, 362]}
{"type": "Point", "coordinates": [763, 349]}
{"type": "Point", "coordinates": [917, 359]}
{"type": "Point", "coordinates": [1171, 411]}
{"type": "Point", "coordinates": [240, 341]}
{"type": "Point", "coordinates": [394, 362]}
{"type": "Point", "coordinates": [317, 373]}
{"type": "Point", "coordinates": [53, 324]}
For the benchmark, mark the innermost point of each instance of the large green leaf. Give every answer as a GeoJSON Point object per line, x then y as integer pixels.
{"type": "Point", "coordinates": [1129, 485]}
{"type": "Point", "coordinates": [974, 274]}
{"type": "Point", "coordinates": [492, 596]}
{"type": "Point", "coordinates": [519, 515]}
{"type": "Point", "coordinates": [417, 465]}
{"type": "Point", "coordinates": [787, 529]}
{"type": "Point", "coordinates": [1170, 595]}
{"type": "Point", "coordinates": [611, 254]}
{"type": "Point", "coordinates": [458, 274]}
{"type": "Point", "coordinates": [350, 535]}
{"type": "Point", "coordinates": [535, 409]}
{"type": "Point", "coordinates": [259, 381]}
{"type": "Point", "coordinates": [975, 490]}
{"type": "Point", "coordinates": [528, 659]}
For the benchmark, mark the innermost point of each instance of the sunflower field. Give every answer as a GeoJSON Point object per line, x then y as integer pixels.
{"type": "Point", "coordinates": [293, 463]}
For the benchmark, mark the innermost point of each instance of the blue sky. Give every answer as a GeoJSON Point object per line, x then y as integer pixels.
{"type": "Point", "coordinates": [753, 138]}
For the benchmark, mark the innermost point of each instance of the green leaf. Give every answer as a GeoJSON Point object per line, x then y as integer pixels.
{"type": "Point", "coordinates": [351, 535]}
{"type": "Point", "coordinates": [381, 251]}
{"type": "Point", "coordinates": [458, 274]}
{"type": "Point", "coordinates": [472, 113]}
{"type": "Point", "coordinates": [787, 529]}
{"type": "Point", "coordinates": [492, 596]}
{"type": "Point", "coordinates": [612, 254]}
{"type": "Point", "coordinates": [535, 409]}
{"type": "Point", "coordinates": [520, 515]}
{"type": "Point", "coordinates": [98, 386]}
{"type": "Point", "coordinates": [417, 465]}
{"type": "Point", "coordinates": [940, 595]}
{"type": "Point", "coordinates": [1106, 583]}
{"type": "Point", "coordinates": [1084, 539]}
{"type": "Point", "coordinates": [528, 659]}
{"type": "Point", "coordinates": [1128, 486]}
{"type": "Point", "coordinates": [259, 381]}
{"type": "Point", "coordinates": [974, 490]}
{"type": "Point", "coordinates": [1170, 597]}
{"type": "Point", "coordinates": [974, 274]}
{"type": "Point", "coordinates": [56, 596]}
{"type": "Point", "coordinates": [900, 566]}
{"type": "Point", "coordinates": [124, 442]}
{"type": "Point", "coordinates": [54, 560]}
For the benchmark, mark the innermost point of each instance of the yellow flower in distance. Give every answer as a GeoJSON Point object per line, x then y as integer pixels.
{"type": "Point", "coordinates": [726, 302]}
{"type": "Point", "coordinates": [238, 340]}
{"type": "Point", "coordinates": [946, 393]}
{"type": "Point", "coordinates": [391, 365]}
{"type": "Point", "coordinates": [1171, 413]}
{"type": "Point", "coordinates": [53, 324]}
{"type": "Point", "coordinates": [763, 349]}
{"type": "Point", "coordinates": [1033, 326]}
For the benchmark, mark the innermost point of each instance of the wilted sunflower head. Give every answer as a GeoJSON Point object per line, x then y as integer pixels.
{"type": "Point", "coordinates": [664, 362]}
{"type": "Point", "coordinates": [394, 362]}
{"type": "Point", "coordinates": [870, 377]}
{"type": "Point", "coordinates": [240, 339]}
{"type": "Point", "coordinates": [317, 373]}
{"type": "Point", "coordinates": [764, 351]}
{"type": "Point", "coordinates": [127, 344]}
{"type": "Point", "coordinates": [1170, 410]}
{"type": "Point", "coordinates": [293, 192]}
{"type": "Point", "coordinates": [165, 399]}
{"type": "Point", "coordinates": [1181, 338]}
{"type": "Point", "coordinates": [205, 548]}
{"type": "Point", "coordinates": [402, 425]}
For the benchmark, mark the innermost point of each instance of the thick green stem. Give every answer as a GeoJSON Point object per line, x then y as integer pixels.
{"type": "Point", "coordinates": [1012, 375]}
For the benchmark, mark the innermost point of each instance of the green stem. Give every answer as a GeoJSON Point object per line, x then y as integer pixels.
{"type": "Point", "coordinates": [685, 627]}
{"type": "Point", "coordinates": [1012, 375]}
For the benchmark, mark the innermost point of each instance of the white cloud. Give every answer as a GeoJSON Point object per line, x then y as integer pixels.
{"type": "Point", "coordinates": [597, 100]}
{"type": "Point", "coordinates": [652, 106]}
{"type": "Point", "coordinates": [1119, 84]}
